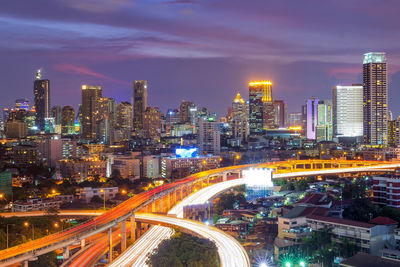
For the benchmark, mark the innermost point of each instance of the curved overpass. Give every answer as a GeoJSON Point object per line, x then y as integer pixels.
{"type": "Point", "coordinates": [128, 208]}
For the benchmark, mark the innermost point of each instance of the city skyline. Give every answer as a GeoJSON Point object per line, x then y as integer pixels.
{"type": "Point", "coordinates": [203, 61]}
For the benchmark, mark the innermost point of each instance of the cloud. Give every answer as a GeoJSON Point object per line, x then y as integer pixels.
{"type": "Point", "coordinates": [80, 70]}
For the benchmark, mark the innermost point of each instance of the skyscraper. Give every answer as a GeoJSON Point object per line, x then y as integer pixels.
{"type": "Point", "coordinates": [56, 114]}
{"type": "Point", "coordinates": [184, 111]}
{"type": "Point", "coordinates": [209, 137]}
{"type": "Point", "coordinates": [90, 110]}
{"type": "Point", "coordinates": [124, 115]}
{"type": "Point", "coordinates": [324, 131]}
{"type": "Point", "coordinates": [312, 117]}
{"type": "Point", "coordinates": [240, 118]}
{"type": "Point", "coordinates": [375, 94]}
{"type": "Point", "coordinates": [152, 123]}
{"type": "Point", "coordinates": [280, 112]}
{"type": "Point", "coordinates": [347, 109]}
{"type": "Point", "coordinates": [41, 91]}
{"type": "Point", "coordinates": [106, 120]}
{"type": "Point", "coordinates": [68, 120]}
{"type": "Point", "coordinates": [139, 103]}
{"type": "Point", "coordinates": [260, 92]}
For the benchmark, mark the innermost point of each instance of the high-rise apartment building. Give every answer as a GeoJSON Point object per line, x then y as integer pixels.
{"type": "Point", "coordinates": [209, 137]}
{"type": "Point", "coordinates": [106, 121]}
{"type": "Point", "coordinates": [184, 111]}
{"type": "Point", "coordinates": [152, 123]}
{"type": "Point", "coordinates": [280, 112]}
{"type": "Point", "coordinates": [41, 91]}
{"type": "Point", "coordinates": [139, 103]}
{"type": "Point", "coordinates": [56, 114]}
{"type": "Point", "coordinates": [295, 119]}
{"type": "Point", "coordinates": [392, 133]}
{"type": "Point", "coordinates": [90, 110]}
{"type": "Point", "coordinates": [68, 120]}
{"type": "Point", "coordinates": [311, 117]}
{"type": "Point", "coordinates": [347, 117]}
{"type": "Point", "coordinates": [124, 115]}
{"type": "Point", "coordinates": [240, 118]}
{"type": "Point", "coordinates": [375, 94]}
{"type": "Point", "coordinates": [324, 121]}
{"type": "Point", "coordinates": [260, 106]}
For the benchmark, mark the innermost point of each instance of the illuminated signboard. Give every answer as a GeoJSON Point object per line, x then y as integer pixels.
{"type": "Point", "coordinates": [186, 152]}
{"type": "Point", "coordinates": [258, 177]}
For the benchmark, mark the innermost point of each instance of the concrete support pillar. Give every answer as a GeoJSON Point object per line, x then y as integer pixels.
{"type": "Point", "coordinates": [133, 228]}
{"type": "Point", "coordinates": [153, 206]}
{"type": "Point", "coordinates": [123, 236]}
{"type": "Point", "coordinates": [224, 176]}
{"type": "Point", "coordinates": [138, 229]}
{"type": "Point", "coordinates": [25, 263]}
{"type": "Point", "coordinates": [82, 243]}
{"type": "Point", "coordinates": [110, 245]}
{"type": "Point", "coordinates": [65, 253]}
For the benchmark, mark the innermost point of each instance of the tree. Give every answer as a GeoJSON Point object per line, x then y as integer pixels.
{"type": "Point", "coordinates": [96, 199]}
{"type": "Point", "coordinates": [184, 250]}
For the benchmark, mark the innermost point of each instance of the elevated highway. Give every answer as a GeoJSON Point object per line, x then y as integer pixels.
{"type": "Point", "coordinates": [162, 198]}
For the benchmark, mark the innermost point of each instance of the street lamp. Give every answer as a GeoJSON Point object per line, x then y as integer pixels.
{"type": "Point", "coordinates": [57, 225]}
{"type": "Point", "coordinates": [104, 192]}
{"type": "Point", "coordinates": [26, 224]}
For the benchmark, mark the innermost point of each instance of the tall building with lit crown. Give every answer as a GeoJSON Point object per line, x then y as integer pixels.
{"type": "Point", "coordinates": [152, 123]}
{"type": "Point", "coordinates": [209, 137]}
{"type": "Point", "coordinates": [240, 118]}
{"type": "Point", "coordinates": [311, 117]}
{"type": "Point", "coordinates": [184, 111]}
{"type": "Point", "coordinates": [324, 131]}
{"type": "Point", "coordinates": [375, 94]}
{"type": "Point", "coordinates": [347, 117]}
{"type": "Point", "coordinates": [260, 106]}
{"type": "Point", "coordinates": [68, 120]}
{"type": "Point", "coordinates": [139, 103]}
{"type": "Point", "coordinates": [90, 110]}
{"type": "Point", "coordinates": [41, 91]}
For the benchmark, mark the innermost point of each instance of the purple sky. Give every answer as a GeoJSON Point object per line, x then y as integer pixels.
{"type": "Point", "coordinates": [205, 51]}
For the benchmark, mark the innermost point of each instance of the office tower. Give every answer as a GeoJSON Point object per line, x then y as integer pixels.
{"type": "Point", "coordinates": [106, 121]}
{"type": "Point", "coordinates": [203, 113]}
{"type": "Point", "coordinates": [324, 129]}
{"type": "Point", "coordinates": [347, 117]}
{"type": "Point", "coordinates": [240, 118]}
{"type": "Point", "coordinates": [56, 114]}
{"type": "Point", "coordinates": [184, 111]}
{"type": "Point", "coordinates": [139, 103]}
{"type": "Point", "coordinates": [22, 104]}
{"type": "Point", "coordinates": [375, 94]}
{"type": "Point", "coordinates": [68, 120]}
{"type": "Point", "coordinates": [152, 123]}
{"type": "Point", "coordinates": [294, 119]}
{"type": "Point", "coordinates": [172, 117]}
{"type": "Point", "coordinates": [397, 132]}
{"type": "Point", "coordinates": [280, 111]}
{"type": "Point", "coordinates": [208, 137]}
{"type": "Point", "coordinates": [124, 115]}
{"type": "Point", "coordinates": [193, 116]}
{"type": "Point", "coordinates": [312, 117]}
{"type": "Point", "coordinates": [392, 133]}
{"type": "Point", "coordinates": [260, 106]}
{"type": "Point", "coordinates": [41, 90]}
{"type": "Point", "coordinates": [90, 110]}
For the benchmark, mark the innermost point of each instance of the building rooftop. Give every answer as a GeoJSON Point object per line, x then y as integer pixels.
{"type": "Point", "coordinates": [380, 220]}
{"type": "Point", "coordinates": [301, 211]}
{"type": "Point", "coordinates": [362, 259]}
{"type": "Point", "coordinates": [341, 221]}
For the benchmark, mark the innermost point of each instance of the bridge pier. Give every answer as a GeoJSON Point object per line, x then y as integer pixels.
{"type": "Point", "coordinates": [25, 263]}
{"type": "Point", "coordinates": [138, 229]}
{"type": "Point", "coordinates": [123, 236]}
{"type": "Point", "coordinates": [110, 249]}
{"type": "Point", "coordinates": [133, 228]}
{"type": "Point", "coordinates": [66, 253]}
{"type": "Point", "coordinates": [82, 243]}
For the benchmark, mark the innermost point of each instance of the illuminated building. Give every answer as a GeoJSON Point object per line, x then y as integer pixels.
{"type": "Point", "coordinates": [22, 103]}
{"type": "Point", "coordinates": [208, 137]}
{"type": "Point", "coordinates": [347, 117]}
{"type": "Point", "coordinates": [324, 129]}
{"type": "Point", "coordinates": [41, 90]}
{"type": "Point", "coordinates": [151, 166]}
{"type": "Point", "coordinates": [260, 106]}
{"type": "Point", "coordinates": [87, 193]}
{"type": "Point", "coordinates": [240, 118]}
{"type": "Point", "coordinates": [68, 120]}
{"type": "Point", "coordinates": [24, 155]}
{"type": "Point", "coordinates": [127, 166]}
{"type": "Point", "coordinates": [82, 169]}
{"type": "Point", "coordinates": [312, 118]}
{"type": "Point", "coordinates": [56, 114]}
{"type": "Point", "coordinates": [124, 115]}
{"type": "Point", "coordinates": [375, 94]}
{"type": "Point", "coordinates": [392, 133]}
{"type": "Point", "coordinates": [90, 110]}
{"type": "Point", "coordinates": [386, 190]}
{"type": "Point", "coordinates": [280, 111]}
{"type": "Point", "coordinates": [152, 123]}
{"type": "Point", "coordinates": [49, 125]}
{"type": "Point", "coordinates": [172, 117]}
{"type": "Point", "coordinates": [294, 119]}
{"type": "Point", "coordinates": [258, 183]}
{"type": "Point", "coordinates": [184, 111]}
{"type": "Point", "coordinates": [139, 103]}
{"type": "Point", "coordinates": [175, 168]}
{"type": "Point", "coordinates": [106, 120]}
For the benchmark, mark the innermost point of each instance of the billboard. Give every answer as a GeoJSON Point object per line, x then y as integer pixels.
{"type": "Point", "coordinates": [186, 152]}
